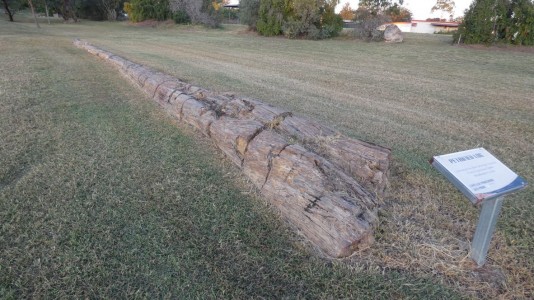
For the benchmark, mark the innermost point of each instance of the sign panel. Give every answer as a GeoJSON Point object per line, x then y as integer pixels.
{"type": "Point", "coordinates": [478, 174]}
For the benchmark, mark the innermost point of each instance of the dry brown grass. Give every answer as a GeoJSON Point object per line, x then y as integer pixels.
{"type": "Point", "coordinates": [421, 98]}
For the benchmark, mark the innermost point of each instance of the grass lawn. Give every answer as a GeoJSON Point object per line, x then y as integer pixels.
{"type": "Point", "coordinates": [103, 195]}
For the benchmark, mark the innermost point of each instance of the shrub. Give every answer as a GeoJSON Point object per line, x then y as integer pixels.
{"type": "Point", "coordinates": [229, 14]}
{"type": "Point", "coordinates": [181, 17]}
{"type": "Point", "coordinates": [271, 16]}
{"type": "Point", "coordinates": [205, 12]}
{"type": "Point", "coordinates": [249, 12]}
{"type": "Point", "coordinates": [140, 10]}
{"type": "Point", "coordinates": [332, 23]}
{"type": "Point", "coordinates": [367, 22]}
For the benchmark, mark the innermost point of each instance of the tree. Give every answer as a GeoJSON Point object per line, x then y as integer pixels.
{"type": "Point", "coordinates": [249, 12]}
{"type": "Point", "coordinates": [140, 10]}
{"type": "Point", "coordinates": [503, 21]}
{"type": "Point", "coordinates": [346, 12]}
{"type": "Point", "coordinates": [521, 24]}
{"type": "Point", "coordinates": [367, 21]}
{"type": "Point", "coordinates": [271, 16]}
{"type": "Point", "coordinates": [444, 6]}
{"type": "Point", "coordinates": [398, 14]}
{"type": "Point", "coordinates": [11, 7]}
{"type": "Point", "coordinates": [206, 12]}
{"type": "Point", "coordinates": [30, 2]}
{"type": "Point", "coordinates": [375, 6]}
{"type": "Point", "coordinates": [68, 12]}
{"type": "Point", "coordinates": [109, 8]}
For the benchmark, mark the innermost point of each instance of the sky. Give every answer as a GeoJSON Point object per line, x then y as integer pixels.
{"type": "Point", "coordinates": [419, 8]}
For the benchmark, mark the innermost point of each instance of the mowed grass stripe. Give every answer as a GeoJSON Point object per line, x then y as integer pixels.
{"type": "Point", "coordinates": [103, 196]}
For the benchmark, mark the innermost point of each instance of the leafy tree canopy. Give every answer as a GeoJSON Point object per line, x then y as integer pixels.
{"type": "Point", "coordinates": [498, 21]}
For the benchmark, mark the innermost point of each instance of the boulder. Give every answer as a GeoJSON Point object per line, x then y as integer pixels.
{"type": "Point", "coordinates": [392, 34]}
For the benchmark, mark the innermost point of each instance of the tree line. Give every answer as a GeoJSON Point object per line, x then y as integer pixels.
{"type": "Point", "coordinates": [67, 9]}
{"type": "Point", "coordinates": [485, 22]}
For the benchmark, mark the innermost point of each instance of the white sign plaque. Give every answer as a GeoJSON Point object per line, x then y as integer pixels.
{"type": "Point", "coordinates": [478, 174]}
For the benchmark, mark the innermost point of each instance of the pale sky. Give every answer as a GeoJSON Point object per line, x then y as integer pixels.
{"type": "Point", "coordinates": [419, 8]}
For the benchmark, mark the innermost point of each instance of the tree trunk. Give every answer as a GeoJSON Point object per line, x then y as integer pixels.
{"type": "Point", "coordinates": [9, 13]}
{"type": "Point", "coordinates": [68, 12]}
{"type": "Point", "coordinates": [46, 10]}
{"type": "Point", "coordinates": [33, 13]}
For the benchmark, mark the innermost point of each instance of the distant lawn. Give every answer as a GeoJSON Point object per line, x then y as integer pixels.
{"type": "Point", "coordinates": [102, 195]}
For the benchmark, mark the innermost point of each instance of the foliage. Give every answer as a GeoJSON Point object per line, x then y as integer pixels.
{"type": "Point", "coordinates": [367, 21]}
{"type": "Point", "coordinates": [520, 30]}
{"type": "Point", "coordinates": [205, 12]}
{"type": "Point", "coordinates": [444, 5]}
{"type": "Point", "coordinates": [393, 10]}
{"type": "Point", "coordinates": [90, 9]}
{"type": "Point", "coordinates": [299, 18]}
{"type": "Point", "coordinates": [331, 23]}
{"type": "Point", "coordinates": [271, 16]}
{"type": "Point", "coordinates": [68, 10]}
{"type": "Point", "coordinates": [181, 17]}
{"type": "Point", "coordinates": [304, 20]}
{"type": "Point", "coordinates": [109, 8]}
{"type": "Point", "coordinates": [140, 10]}
{"type": "Point", "coordinates": [249, 12]}
{"type": "Point", "coordinates": [346, 12]}
{"type": "Point", "coordinates": [398, 13]}
{"type": "Point", "coordinates": [229, 14]}
{"type": "Point", "coordinates": [503, 21]}
{"type": "Point", "coordinates": [376, 6]}
{"type": "Point", "coordinates": [11, 7]}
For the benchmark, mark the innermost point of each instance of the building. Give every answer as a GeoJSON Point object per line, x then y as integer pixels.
{"type": "Point", "coordinates": [433, 26]}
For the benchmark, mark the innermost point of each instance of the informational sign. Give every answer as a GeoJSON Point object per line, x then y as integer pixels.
{"type": "Point", "coordinates": [478, 174]}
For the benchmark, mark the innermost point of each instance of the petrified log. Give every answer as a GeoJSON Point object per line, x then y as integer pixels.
{"type": "Point", "coordinates": [329, 208]}
{"type": "Point", "coordinates": [326, 185]}
{"type": "Point", "coordinates": [367, 162]}
{"type": "Point", "coordinates": [232, 136]}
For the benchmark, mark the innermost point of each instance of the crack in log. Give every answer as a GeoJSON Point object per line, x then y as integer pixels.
{"type": "Point", "coordinates": [157, 87]}
{"type": "Point", "coordinates": [254, 135]}
{"type": "Point", "coordinates": [182, 107]}
{"type": "Point", "coordinates": [208, 129]}
{"type": "Point", "coordinates": [313, 203]}
{"type": "Point", "coordinates": [276, 121]}
{"type": "Point", "coordinates": [172, 94]}
{"type": "Point", "coordinates": [248, 104]}
{"type": "Point", "coordinates": [142, 84]}
{"type": "Point", "coordinates": [270, 158]}
{"type": "Point", "coordinates": [237, 143]}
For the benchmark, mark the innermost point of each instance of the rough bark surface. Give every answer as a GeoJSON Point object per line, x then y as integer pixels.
{"type": "Point", "coordinates": [326, 185]}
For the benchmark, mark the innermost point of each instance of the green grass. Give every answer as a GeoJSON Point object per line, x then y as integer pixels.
{"type": "Point", "coordinates": [102, 195]}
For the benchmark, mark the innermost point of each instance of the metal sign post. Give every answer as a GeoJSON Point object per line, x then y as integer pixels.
{"type": "Point", "coordinates": [483, 179]}
{"type": "Point", "coordinates": [485, 228]}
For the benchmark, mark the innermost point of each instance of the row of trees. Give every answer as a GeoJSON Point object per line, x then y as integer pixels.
{"type": "Point", "coordinates": [498, 21]}
{"type": "Point", "coordinates": [206, 12]}
{"type": "Point", "coordinates": [314, 19]}
{"type": "Point", "coordinates": [68, 9]}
